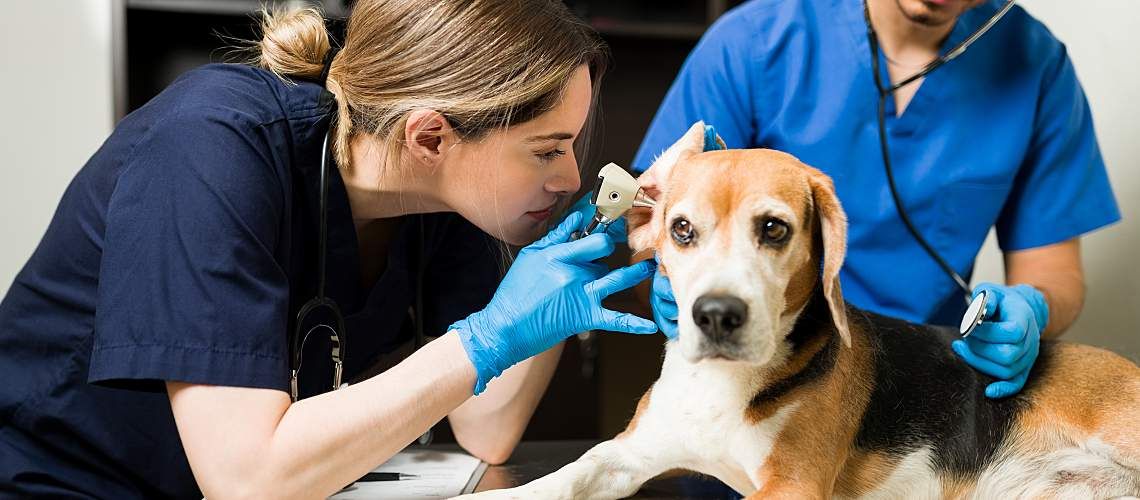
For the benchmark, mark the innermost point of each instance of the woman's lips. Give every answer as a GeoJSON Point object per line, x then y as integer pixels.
{"type": "Point", "coordinates": [541, 215]}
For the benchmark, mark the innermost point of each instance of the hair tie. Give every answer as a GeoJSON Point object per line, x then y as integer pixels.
{"type": "Point", "coordinates": [326, 65]}
{"type": "Point", "coordinates": [327, 99]}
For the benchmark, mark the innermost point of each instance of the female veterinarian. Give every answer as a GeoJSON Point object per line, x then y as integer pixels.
{"type": "Point", "coordinates": [145, 348]}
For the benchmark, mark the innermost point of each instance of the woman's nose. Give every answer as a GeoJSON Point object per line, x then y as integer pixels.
{"type": "Point", "coordinates": [565, 178]}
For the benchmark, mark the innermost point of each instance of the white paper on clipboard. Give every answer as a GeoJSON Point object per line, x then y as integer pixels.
{"type": "Point", "coordinates": [441, 474]}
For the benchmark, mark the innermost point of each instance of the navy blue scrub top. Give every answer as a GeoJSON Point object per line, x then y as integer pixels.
{"type": "Point", "coordinates": [181, 251]}
{"type": "Point", "coordinates": [1000, 137]}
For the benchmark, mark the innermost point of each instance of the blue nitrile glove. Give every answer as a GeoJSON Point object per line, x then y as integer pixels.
{"type": "Point", "coordinates": [552, 291]}
{"type": "Point", "coordinates": [713, 142]}
{"type": "Point", "coordinates": [1006, 344]}
{"type": "Point", "coordinates": [617, 229]}
{"type": "Point", "coordinates": [663, 303]}
{"type": "Point", "coordinates": [661, 298]}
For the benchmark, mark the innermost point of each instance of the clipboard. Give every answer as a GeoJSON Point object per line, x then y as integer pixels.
{"type": "Point", "coordinates": [440, 475]}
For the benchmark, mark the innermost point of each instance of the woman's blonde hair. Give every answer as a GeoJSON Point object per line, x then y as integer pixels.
{"type": "Point", "coordinates": [482, 64]}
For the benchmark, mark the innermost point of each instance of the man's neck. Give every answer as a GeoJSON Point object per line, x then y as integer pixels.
{"type": "Point", "coordinates": [902, 39]}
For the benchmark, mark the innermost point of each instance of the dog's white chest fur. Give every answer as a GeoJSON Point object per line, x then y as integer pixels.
{"type": "Point", "coordinates": [697, 413]}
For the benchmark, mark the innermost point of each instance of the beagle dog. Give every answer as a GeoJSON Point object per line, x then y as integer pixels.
{"type": "Point", "coordinates": [779, 389]}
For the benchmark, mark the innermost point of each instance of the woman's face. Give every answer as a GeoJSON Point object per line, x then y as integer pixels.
{"type": "Point", "coordinates": [509, 182]}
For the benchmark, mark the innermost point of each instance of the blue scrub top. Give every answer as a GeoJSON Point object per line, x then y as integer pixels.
{"type": "Point", "coordinates": [182, 251]}
{"type": "Point", "coordinates": [1000, 137]}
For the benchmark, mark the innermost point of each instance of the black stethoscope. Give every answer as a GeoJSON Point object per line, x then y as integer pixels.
{"type": "Point", "coordinates": [976, 305]}
{"type": "Point", "coordinates": [320, 301]}
{"type": "Point", "coordinates": [337, 332]}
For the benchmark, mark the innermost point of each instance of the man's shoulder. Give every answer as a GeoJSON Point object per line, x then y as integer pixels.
{"type": "Point", "coordinates": [1022, 34]}
{"type": "Point", "coordinates": [755, 17]}
{"type": "Point", "coordinates": [764, 28]}
{"type": "Point", "coordinates": [766, 10]}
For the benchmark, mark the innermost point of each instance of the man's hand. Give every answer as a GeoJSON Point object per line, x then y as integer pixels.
{"type": "Point", "coordinates": [664, 304]}
{"type": "Point", "coordinates": [1006, 345]}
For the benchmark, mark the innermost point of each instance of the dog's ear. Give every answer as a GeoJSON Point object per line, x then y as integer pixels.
{"type": "Point", "coordinates": [833, 230]}
{"type": "Point", "coordinates": [646, 226]}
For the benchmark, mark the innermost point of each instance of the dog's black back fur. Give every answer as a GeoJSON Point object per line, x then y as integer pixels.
{"type": "Point", "coordinates": [925, 395]}
{"type": "Point", "coordinates": [922, 394]}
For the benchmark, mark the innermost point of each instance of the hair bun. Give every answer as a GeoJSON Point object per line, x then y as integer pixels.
{"type": "Point", "coordinates": [293, 42]}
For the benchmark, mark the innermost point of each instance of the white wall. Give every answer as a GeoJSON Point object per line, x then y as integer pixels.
{"type": "Point", "coordinates": [56, 86]}
{"type": "Point", "coordinates": [1102, 38]}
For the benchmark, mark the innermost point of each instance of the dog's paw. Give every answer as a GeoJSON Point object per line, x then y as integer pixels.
{"type": "Point", "coordinates": [533, 490]}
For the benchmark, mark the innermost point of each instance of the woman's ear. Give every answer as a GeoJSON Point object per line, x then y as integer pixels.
{"type": "Point", "coordinates": [646, 227]}
{"type": "Point", "coordinates": [428, 135]}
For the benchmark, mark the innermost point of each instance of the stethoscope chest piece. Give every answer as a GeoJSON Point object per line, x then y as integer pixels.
{"type": "Point", "coordinates": [975, 314]}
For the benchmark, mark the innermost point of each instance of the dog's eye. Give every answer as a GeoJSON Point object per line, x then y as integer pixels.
{"type": "Point", "coordinates": [683, 232]}
{"type": "Point", "coordinates": [774, 231]}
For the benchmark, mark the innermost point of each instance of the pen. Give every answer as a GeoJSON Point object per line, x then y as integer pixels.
{"type": "Point", "coordinates": [386, 476]}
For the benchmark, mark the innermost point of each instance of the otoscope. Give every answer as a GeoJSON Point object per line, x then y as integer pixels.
{"type": "Point", "coordinates": [615, 192]}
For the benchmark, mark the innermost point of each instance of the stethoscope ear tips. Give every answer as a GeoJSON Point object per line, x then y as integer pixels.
{"type": "Point", "coordinates": [975, 314]}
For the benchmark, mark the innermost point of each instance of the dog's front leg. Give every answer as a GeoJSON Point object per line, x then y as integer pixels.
{"type": "Point", "coordinates": [788, 491]}
{"type": "Point", "coordinates": [611, 469]}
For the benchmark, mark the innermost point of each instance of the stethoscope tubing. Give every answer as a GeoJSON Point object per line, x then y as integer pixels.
{"type": "Point", "coordinates": [885, 91]}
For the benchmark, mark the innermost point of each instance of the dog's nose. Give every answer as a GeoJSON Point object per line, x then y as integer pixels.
{"type": "Point", "coordinates": [719, 315]}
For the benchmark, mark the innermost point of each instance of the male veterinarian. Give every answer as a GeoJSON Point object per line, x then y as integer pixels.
{"type": "Point", "coordinates": [998, 137]}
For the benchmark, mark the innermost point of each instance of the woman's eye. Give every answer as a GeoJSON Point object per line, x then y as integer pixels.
{"type": "Point", "coordinates": [774, 231]}
{"type": "Point", "coordinates": [683, 232]}
{"type": "Point", "coordinates": [551, 155]}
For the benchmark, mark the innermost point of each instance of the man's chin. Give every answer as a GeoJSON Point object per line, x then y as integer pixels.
{"type": "Point", "coordinates": [927, 13]}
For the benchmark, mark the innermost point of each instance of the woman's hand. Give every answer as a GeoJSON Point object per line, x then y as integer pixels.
{"type": "Point", "coordinates": [552, 291]}
{"type": "Point", "coordinates": [617, 229]}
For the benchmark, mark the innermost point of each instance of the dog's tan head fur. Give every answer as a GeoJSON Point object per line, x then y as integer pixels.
{"type": "Point", "coordinates": [741, 234]}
